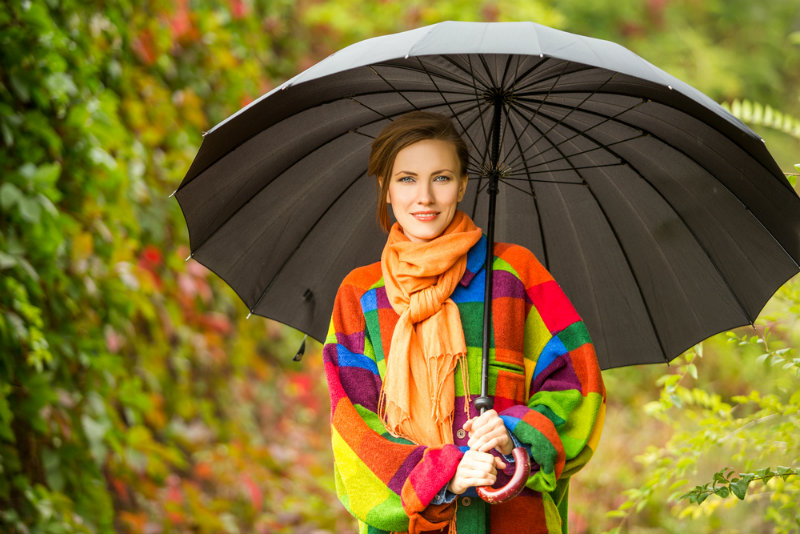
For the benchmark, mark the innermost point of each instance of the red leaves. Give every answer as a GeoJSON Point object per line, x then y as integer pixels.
{"type": "Point", "coordinates": [239, 9]}
{"type": "Point", "coordinates": [150, 258]}
{"type": "Point", "coordinates": [253, 491]}
{"type": "Point", "coordinates": [144, 47]}
{"type": "Point", "coordinates": [149, 262]}
{"type": "Point", "coordinates": [182, 24]}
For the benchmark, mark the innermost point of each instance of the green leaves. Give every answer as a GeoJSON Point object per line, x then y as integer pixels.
{"type": "Point", "coordinates": [759, 114]}
{"type": "Point", "coordinates": [117, 384]}
{"type": "Point", "coordinates": [727, 482]}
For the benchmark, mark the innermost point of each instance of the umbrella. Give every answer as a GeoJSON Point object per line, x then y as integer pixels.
{"type": "Point", "coordinates": [662, 216]}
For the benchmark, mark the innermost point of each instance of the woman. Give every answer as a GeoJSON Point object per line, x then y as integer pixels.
{"type": "Point", "coordinates": [403, 360]}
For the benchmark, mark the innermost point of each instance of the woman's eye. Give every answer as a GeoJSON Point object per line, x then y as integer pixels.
{"type": "Point", "coordinates": [406, 179]}
{"type": "Point", "coordinates": [442, 178]}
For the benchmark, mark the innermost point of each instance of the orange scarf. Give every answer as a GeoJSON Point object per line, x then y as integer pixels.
{"type": "Point", "coordinates": [418, 392]}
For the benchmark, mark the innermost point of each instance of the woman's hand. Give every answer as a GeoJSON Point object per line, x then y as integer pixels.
{"type": "Point", "coordinates": [475, 469]}
{"type": "Point", "coordinates": [487, 431]}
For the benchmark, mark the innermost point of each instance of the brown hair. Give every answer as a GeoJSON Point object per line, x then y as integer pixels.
{"type": "Point", "coordinates": [400, 133]}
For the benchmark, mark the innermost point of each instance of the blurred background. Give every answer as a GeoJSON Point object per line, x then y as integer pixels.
{"type": "Point", "coordinates": [136, 398]}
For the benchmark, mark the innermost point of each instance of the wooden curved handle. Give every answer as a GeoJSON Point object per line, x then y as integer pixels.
{"type": "Point", "coordinates": [515, 485]}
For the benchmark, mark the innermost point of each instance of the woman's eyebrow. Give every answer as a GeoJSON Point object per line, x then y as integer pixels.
{"type": "Point", "coordinates": [412, 173]}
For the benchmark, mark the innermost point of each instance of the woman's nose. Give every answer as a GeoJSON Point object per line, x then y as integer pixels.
{"type": "Point", "coordinates": [424, 192]}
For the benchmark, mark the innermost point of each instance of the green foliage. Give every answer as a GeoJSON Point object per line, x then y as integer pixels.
{"type": "Point", "coordinates": [727, 482]}
{"type": "Point", "coordinates": [133, 395]}
{"type": "Point", "coordinates": [749, 429]}
{"type": "Point", "coordinates": [758, 114]}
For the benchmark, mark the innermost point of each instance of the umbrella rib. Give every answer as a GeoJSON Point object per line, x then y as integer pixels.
{"type": "Point", "coordinates": [542, 60]}
{"type": "Point", "coordinates": [452, 111]}
{"type": "Point", "coordinates": [532, 192]}
{"type": "Point", "coordinates": [475, 106]}
{"type": "Point", "coordinates": [470, 74]}
{"type": "Point", "coordinates": [520, 90]}
{"type": "Point", "coordinates": [769, 171]}
{"type": "Point", "coordinates": [478, 99]}
{"type": "Point", "coordinates": [391, 117]}
{"type": "Point", "coordinates": [587, 269]}
{"type": "Point", "coordinates": [311, 229]}
{"type": "Point", "coordinates": [529, 193]}
{"type": "Point", "coordinates": [297, 160]}
{"type": "Point", "coordinates": [625, 255]}
{"type": "Point", "coordinates": [672, 146]}
{"type": "Point", "coordinates": [599, 146]}
{"type": "Point", "coordinates": [677, 213]}
{"type": "Point", "coordinates": [543, 101]}
{"type": "Point", "coordinates": [572, 168]}
{"type": "Point", "coordinates": [506, 69]}
{"type": "Point", "coordinates": [497, 89]}
{"type": "Point", "coordinates": [394, 115]}
{"type": "Point", "coordinates": [437, 74]}
{"type": "Point", "coordinates": [493, 84]}
{"type": "Point", "coordinates": [486, 138]}
{"type": "Point", "coordinates": [536, 112]}
{"type": "Point", "coordinates": [583, 152]}
{"type": "Point", "coordinates": [394, 89]}
{"type": "Point", "coordinates": [534, 181]}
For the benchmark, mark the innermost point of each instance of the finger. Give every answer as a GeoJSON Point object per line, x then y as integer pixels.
{"type": "Point", "coordinates": [477, 443]}
{"type": "Point", "coordinates": [480, 481]}
{"type": "Point", "coordinates": [484, 425]}
{"type": "Point", "coordinates": [482, 442]}
{"type": "Point", "coordinates": [477, 432]}
{"type": "Point", "coordinates": [468, 425]}
{"type": "Point", "coordinates": [499, 463]}
{"type": "Point", "coordinates": [478, 422]}
{"type": "Point", "coordinates": [489, 445]}
{"type": "Point", "coordinates": [476, 479]}
{"type": "Point", "coordinates": [484, 472]}
{"type": "Point", "coordinates": [487, 418]}
{"type": "Point", "coordinates": [477, 459]}
{"type": "Point", "coordinates": [480, 471]}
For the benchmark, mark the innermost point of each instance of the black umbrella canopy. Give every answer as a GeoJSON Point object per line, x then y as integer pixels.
{"type": "Point", "coordinates": [663, 217]}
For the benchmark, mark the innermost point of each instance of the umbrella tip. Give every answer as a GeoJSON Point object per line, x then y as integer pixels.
{"type": "Point", "coordinates": [669, 87]}
{"type": "Point", "coordinates": [189, 257]}
{"type": "Point", "coordinates": [300, 351]}
{"type": "Point", "coordinates": [172, 194]}
{"type": "Point", "coordinates": [248, 315]}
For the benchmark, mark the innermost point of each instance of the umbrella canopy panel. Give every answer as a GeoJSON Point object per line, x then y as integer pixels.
{"type": "Point", "coordinates": [663, 217]}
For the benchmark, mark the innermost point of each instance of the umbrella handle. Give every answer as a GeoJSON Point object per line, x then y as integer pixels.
{"type": "Point", "coordinates": [515, 485]}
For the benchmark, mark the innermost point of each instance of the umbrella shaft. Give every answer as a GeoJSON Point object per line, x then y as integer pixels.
{"type": "Point", "coordinates": [483, 402]}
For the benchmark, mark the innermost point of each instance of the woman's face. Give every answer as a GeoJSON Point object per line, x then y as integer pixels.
{"type": "Point", "coordinates": [426, 184]}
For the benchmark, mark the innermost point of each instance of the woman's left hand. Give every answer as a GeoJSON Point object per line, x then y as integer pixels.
{"type": "Point", "coordinates": [487, 432]}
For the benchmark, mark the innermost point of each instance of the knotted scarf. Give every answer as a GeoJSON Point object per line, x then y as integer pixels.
{"type": "Point", "coordinates": [418, 392]}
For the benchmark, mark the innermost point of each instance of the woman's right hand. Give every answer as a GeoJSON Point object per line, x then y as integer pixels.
{"type": "Point", "coordinates": [475, 469]}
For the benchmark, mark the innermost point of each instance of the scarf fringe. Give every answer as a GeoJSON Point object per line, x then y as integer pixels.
{"type": "Point", "coordinates": [446, 425]}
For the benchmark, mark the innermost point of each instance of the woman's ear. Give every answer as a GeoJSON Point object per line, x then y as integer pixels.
{"type": "Point", "coordinates": [462, 187]}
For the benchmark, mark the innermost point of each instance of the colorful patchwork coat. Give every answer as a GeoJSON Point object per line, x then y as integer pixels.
{"type": "Point", "coordinates": [543, 376]}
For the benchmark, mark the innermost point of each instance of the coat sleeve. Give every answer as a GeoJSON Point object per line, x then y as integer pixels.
{"type": "Point", "coordinates": [386, 482]}
{"type": "Point", "coordinates": [563, 418]}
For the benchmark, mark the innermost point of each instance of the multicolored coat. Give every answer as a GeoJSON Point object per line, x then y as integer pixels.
{"type": "Point", "coordinates": [543, 376]}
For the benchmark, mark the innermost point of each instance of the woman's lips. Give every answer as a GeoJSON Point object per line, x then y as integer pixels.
{"type": "Point", "coordinates": [425, 215]}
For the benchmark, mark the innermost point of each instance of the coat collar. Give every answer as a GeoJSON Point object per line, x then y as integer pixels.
{"type": "Point", "coordinates": [476, 257]}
